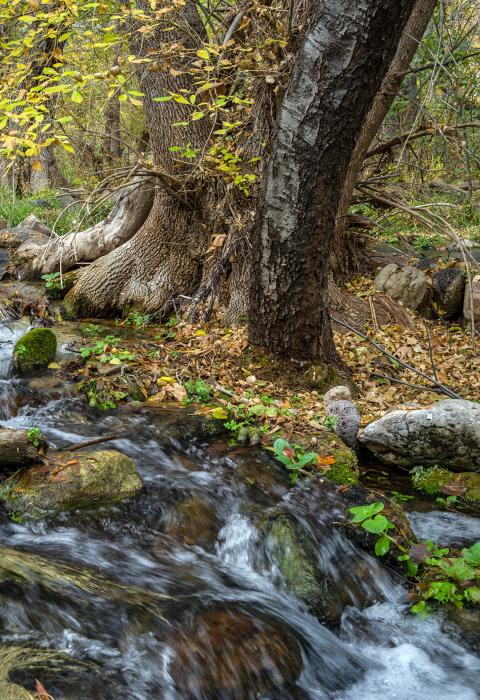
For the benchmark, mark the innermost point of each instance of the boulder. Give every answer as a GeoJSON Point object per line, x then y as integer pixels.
{"type": "Point", "coordinates": [71, 480]}
{"type": "Point", "coordinates": [405, 284]}
{"type": "Point", "coordinates": [34, 350]}
{"type": "Point", "coordinates": [448, 287]}
{"type": "Point", "coordinates": [292, 555]}
{"type": "Point", "coordinates": [474, 293]}
{"type": "Point", "coordinates": [447, 433]}
{"type": "Point", "coordinates": [31, 229]}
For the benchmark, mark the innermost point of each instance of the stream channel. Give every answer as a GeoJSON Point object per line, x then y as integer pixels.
{"type": "Point", "coordinates": [202, 610]}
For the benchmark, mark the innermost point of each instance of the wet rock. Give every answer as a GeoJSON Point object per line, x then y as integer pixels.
{"type": "Point", "coordinates": [472, 294]}
{"type": "Point", "coordinates": [447, 433]}
{"type": "Point", "coordinates": [71, 480]}
{"type": "Point", "coordinates": [405, 284]}
{"type": "Point", "coordinates": [448, 288]}
{"type": "Point", "coordinates": [436, 481]}
{"type": "Point", "coordinates": [467, 623]}
{"type": "Point", "coordinates": [445, 528]}
{"type": "Point", "coordinates": [193, 522]}
{"type": "Point", "coordinates": [19, 447]}
{"type": "Point", "coordinates": [228, 654]}
{"type": "Point", "coordinates": [34, 350]}
{"type": "Point", "coordinates": [289, 549]}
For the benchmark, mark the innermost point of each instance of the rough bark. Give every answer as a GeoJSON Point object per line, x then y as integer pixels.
{"type": "Point", "coordinates": [339, 69]}
{"type": "Point", "coordinates": [63, 253]}
{"type": "Point", "coordinates": [16, 450]}
{"type": "Point", "coordinates": [344, 257]}
{"type": "Point", "coordinates": [165, 258]}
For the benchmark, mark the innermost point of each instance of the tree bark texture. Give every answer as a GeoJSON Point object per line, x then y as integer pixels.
{"type": "Point", "coordinates": [339, 69]}
{"type": "Point", "coordinates": [63, 253]}
{"type": "Point", "coordinates": [165, 257]}
{"type": "Point", "coordinates": [343, 256]}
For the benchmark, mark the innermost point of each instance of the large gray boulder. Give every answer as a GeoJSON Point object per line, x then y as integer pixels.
{"type": "Point", "coordinates": [447, 434]}
{"type": "Point", "coordinates": [448, 288]}
{"type": "Point", "coordinates": [405, 284]}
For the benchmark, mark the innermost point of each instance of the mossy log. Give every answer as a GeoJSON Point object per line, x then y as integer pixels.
{"type": "Point", "coordinates": [17, 448]}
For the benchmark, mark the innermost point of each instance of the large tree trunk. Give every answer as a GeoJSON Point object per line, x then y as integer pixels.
{"type": "Point", "coordinates": [165, 257]}
{"type": "Point", "coordinates": [62, 253]}
{"type": "Point", "coordinates": [339, 69]}
{"type": "Point", "coordinates": [344, 254]}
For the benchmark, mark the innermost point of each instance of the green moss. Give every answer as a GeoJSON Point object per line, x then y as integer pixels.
{"type": "Point", "coordinates": [472, 482]}
{"type": "Point", "coordinates": [35, 350]}
{"type": "Point", "coordinates": [431, 481]}
{"type": "Point", "coordinates": [345, 469]}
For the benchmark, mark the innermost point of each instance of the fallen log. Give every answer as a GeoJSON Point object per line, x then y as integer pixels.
{"type": "Point", "coordinates": [20, 448]}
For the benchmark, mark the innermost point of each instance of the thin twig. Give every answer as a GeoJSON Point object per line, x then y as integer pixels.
{"type": "Point", "coordinates": [401, 381]}
{"type": "Point", "coordinates": [88, 443]}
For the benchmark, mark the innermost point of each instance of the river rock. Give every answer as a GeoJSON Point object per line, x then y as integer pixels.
{"type": "Point", "coordinates": [448, 287]}
{"type": "Point", "coordinates": [448, 433]}
{"type": "Point", "coordinates": [405, 284]}
{"type": "Point", "coordinates": [71, 480]}
{"type": "Point", "coordinates": [34, 350]}
{"type": "Point", "coordinates": [229, 654]}
{"type": "Point", "coordinates": [473, 293]}
{"type": "Point", "coordinates": [294, 559]}
{"type": "Point", "coordinates": [193, 522]}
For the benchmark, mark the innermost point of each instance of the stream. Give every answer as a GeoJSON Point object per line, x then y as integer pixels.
{"type": "Point", "coordinates": [186, 599]}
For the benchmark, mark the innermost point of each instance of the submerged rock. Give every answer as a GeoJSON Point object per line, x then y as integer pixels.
{"type": "Point", "coordinates": [407, 285]}
{"type": "Point", "coordinates": [448, 433]}
{"type": "Point", "coordinates": [293, 557]}
{"type": "Point", "coordinates": [72, 480]}
{"type": "Point", "coordinates": [229, 654]}
{"type": "Point", "coordinates": [34, 350]}
{"type": "Point", "coordinates": [193, 522]}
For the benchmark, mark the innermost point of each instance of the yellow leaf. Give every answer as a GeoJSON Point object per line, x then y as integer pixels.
{"type": "Point", "coordinates": [53, 365]}
{"type": "Point", "coordinates": [200, 333]}
{"type": "Point", "coordinates": [219, 413]}
{"type": "Point", "coordinates": [76, 97]}
{"type": "Point", "coordinates": [167, 380]}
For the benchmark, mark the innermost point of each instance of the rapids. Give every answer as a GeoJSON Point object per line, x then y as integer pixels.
{"type": "Point", "coordinates": [175, 595]}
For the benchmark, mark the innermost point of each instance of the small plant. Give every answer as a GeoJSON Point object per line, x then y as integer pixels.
{"type": "Point", "coordinates": [400, 498]}
{"type": "Point", "coordinates": [371, 518]}
{"type": "Point", "coordinates": [34, 436]}
{"type": "Point", "coordinates": [331, 422]}
{"type": "Point", "coordinates": [135, 318]}
{"type": "Point", "coordinates": [293, 457]}
{"type": "Point", "coordinates": [53, 281]}
{"type": "Point", "coordinates": [91, 329]}
{"type": "Point", "coordinates": [198, 391]}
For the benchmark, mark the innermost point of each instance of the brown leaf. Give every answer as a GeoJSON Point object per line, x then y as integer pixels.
{"type": "Point", "coordinates": [39, 688]}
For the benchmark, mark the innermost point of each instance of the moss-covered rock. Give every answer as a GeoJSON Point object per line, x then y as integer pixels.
{"type": "Point", "coordinates": [290, 551]}
{"type": "Point", "coordinates": [34, 350]}
{"type": "Point", "coordinates": [432, 481]}
{"type": "Point", "coordinates": [71, 480]}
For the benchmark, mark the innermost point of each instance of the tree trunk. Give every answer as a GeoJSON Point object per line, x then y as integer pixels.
{"type": "Point", "coordinates": [344, 254]}
{"type": "Point", "coordinates": [165, 258]}
{"type": "Point", "coordinates": [340, 66]}
{"type": "Point", "coordinates": [65, 252]}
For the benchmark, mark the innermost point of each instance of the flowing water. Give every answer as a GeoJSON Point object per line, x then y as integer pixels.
{"type": "Point", "coordinates": [176, 594]}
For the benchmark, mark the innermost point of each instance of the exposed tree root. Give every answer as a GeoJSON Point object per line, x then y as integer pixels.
{"type": "Point", "coordinates": [63, 253]}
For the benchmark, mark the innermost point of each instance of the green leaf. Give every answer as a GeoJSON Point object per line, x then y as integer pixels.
{"type": "Point", "coordinates": [376, 525]}
{"type": "Point", "coordinates": [115, 361]}
{"type": "Point", "coordinates": [472, 554]}
{"type": "Point", "coordinates": [165, 98]}
{"type": "Point", "coordinates": [421, 609]}
{"type": "Point", "coordinates": [76, 97]}
{"type": "Point", "coordinates": [361, 513]}
{"type": "Point", "coordinates": [472, 594]}
{"type": "Point", "coordinates": [382, 546]}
